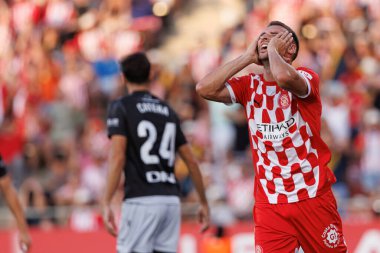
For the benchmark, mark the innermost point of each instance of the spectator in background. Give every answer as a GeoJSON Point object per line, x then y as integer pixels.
{"type": "Point", "coordinates": [336, 113]}
{"type": "Point", "coordinates": [370, 158]}
{"type": "Point", "coordinates": [94, 172]}
{"type": "Point", "coordinates": [203, 59]}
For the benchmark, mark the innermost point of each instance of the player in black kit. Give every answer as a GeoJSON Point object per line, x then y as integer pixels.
{"type": "Point", "coordinates": [145, 136]}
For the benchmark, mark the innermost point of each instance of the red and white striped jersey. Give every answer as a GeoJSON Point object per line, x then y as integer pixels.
{"type": "Point", "coordinates": [289, 156]}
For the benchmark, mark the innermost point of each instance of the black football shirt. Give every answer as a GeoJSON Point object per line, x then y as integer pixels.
{"type": "Point", "coordinates": [153, 135]}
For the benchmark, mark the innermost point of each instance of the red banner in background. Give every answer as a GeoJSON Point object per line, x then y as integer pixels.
{"type": "Point", "coordinates": [360, 238]}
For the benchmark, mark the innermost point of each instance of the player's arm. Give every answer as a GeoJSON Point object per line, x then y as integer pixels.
{"type": "Point", "coordinates": [116, 161]}
{"type": "Point", "coordinates": [195, 174]}
{"type": "Point", "coordinates": [10, 196]}
{"type": "Point", "coordinates": [212, 86]}
{"type": "Point", "coordinates": [286, 76]}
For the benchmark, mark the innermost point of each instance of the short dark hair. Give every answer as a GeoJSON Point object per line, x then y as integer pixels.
{"type": "Point", "coordinates": [136, 68]}
{"type": "Point", "coordinates": [295, 38]}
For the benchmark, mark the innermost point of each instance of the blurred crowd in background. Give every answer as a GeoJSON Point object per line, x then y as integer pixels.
{"type": "Point", "coordinates": [59, 70]}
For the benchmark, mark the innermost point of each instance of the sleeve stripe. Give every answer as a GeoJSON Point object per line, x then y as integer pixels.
{"type": "Point", "coordinates": [308, 87]}
{"type": "Point", "coordinates": [231, 91]}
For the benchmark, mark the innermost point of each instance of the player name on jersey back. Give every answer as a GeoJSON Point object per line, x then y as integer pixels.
{"type": "Point", "coordinates": [153, 107]}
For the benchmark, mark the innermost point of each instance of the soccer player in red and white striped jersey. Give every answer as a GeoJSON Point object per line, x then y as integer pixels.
{"type": "Point", "coordinates": [294, 204]}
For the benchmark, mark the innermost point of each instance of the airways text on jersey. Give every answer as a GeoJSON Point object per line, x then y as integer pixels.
{"type": "Point", "coordinates": [276, 131]}
{"type": "Point", "coordinates": [286, 146]}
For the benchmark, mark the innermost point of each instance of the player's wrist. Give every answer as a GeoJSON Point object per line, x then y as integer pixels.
{"type": "Point", "coordinates": [22, 227]}
{"type": "Point", "coordinates": [248, 58]}
{"type": "Point", "coordinates": [106, 203]}
{"type": "Point", "coordinates": [204, 203]}
{"type": "Point", "coordinates": [272, 48]}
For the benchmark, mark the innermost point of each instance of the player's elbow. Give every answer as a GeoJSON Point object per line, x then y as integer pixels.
{"type": "Point", "coordinates": [117, 161]}
{"type": "Point", "coordinates": [201, 89]}
{"type": "Point", "coordinates": [191, 165]}
{"type": "Point", "coordinates": [207, 90]}
{"type": "Point", "coordinates": [285, 79]}
{"type": "Point", "coordinates": [120, 162]}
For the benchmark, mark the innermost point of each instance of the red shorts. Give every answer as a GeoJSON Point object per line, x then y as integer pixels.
{"type": "Point", "coordinates": [314, 224]}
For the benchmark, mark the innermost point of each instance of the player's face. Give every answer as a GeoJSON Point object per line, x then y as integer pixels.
{"type": "Point", "coordinates": [264, 38]}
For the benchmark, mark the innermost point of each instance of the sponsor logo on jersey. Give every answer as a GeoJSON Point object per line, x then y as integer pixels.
{"type": "Point", "coordinates": [113, 122]}
{"type": "Point", "coordinates": [331, 237]}
{"type": "Point", "coordinates": [273, 132]}
{"type": "Point", "coordinates": [284, 100]}
{"type": "Point", "coordinates": [152, 107]}
{"type": "Point", "coordinates": [160, 177]}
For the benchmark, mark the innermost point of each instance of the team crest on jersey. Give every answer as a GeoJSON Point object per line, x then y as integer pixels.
{"type": "Point", "coordinates": [284, 100]}
{"type": "Point", "coordinates": [331, 236]}
{"type": "Point", "coordinates": [259, 249]}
